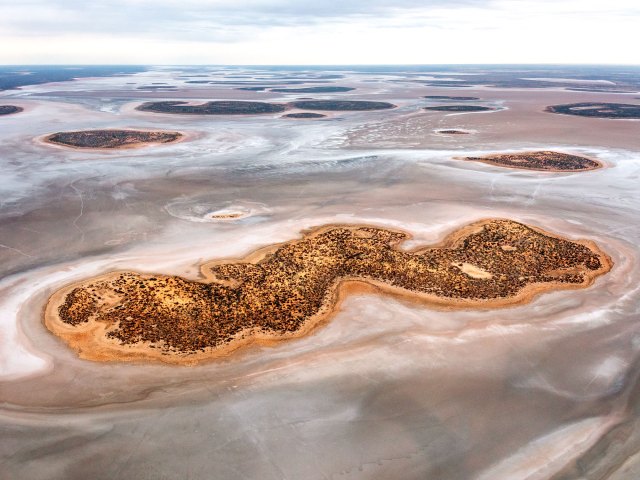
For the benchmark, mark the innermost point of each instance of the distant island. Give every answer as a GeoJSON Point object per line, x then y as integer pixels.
{"type": "Point", "coordinates": [253, 89]}
{"type": "Point", "coordinates": [304, 115]}
{"type": "Point", "coordinates": [452, 132]}
{"type": "Point", "coordinates": [598, 110]}
{"type": "Point", "coordinates": [220, 107]}
{"type": "Point", "coordinates": [157, 87]}
{"type": "Point", "coordinates": [541, 160]}
{"type": "Point", "coordinates": [341, 105]}
{"type": "Point", "coordinates": [10, 109]}
{"type": "Point", "coordinates": [447, 97]}
{"type": "Point", "coordinates": [111, 138]}
{"type": "Point", "coordinates": [19, 76]}
{"type": "Point", "coordinates": [323, 89]}
{"type": "Point", "coordinates": [239, 107]}
{"type": "Point", "coordinates": [597, 89]}
{"type": "Point", "coordinates": [459, 108]}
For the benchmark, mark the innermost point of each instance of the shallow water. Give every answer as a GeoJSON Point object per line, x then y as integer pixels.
{"type": "Point", "coordinates": [386, 389]}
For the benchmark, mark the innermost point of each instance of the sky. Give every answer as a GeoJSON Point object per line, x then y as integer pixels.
{"type": "Point", "coordinates": [334, 32]}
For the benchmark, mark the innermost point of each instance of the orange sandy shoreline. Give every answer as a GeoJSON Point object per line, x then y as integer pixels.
{"type": "Point", "coordinates": [90, 342]}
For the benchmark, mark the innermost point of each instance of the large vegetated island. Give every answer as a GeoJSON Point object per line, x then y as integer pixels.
{"type": "Point", "coordinates": [221, 107]}
{"type": "Point", "coordinates": [598, 110]}
{"type": "Point", "coordinates": [10, 109]}
{"type": "Point", "coordinates": [545, 160]}
{"type": "Point", "coordinates": [341, 105]}
{"type": "Point", "coordinates": [286, 290]}
{"type": "Point", "coordinates": [111, 138]}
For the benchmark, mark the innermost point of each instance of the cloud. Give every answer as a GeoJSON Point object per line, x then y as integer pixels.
{"type": "Point", "coordinates": [306, 31]}
{"type": "Point", "coordinates": [203, 18]}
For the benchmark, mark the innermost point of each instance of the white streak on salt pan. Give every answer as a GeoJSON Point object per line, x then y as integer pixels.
{"type": "Point", "coordinates": [546, 455]}
{"type": "Point", "coordinates": [16, 359]}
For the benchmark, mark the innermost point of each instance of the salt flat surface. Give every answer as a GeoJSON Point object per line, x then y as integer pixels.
{"type": "Point", "coordinates": [386, 389]}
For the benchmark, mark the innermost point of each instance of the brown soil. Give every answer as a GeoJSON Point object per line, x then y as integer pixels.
{"type": "Point", "coordinates": [542, 161]}
{"type": "Point", "coordinates": [287, 290]}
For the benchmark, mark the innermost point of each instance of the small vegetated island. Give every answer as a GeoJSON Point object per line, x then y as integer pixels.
{"type": "Point", "coordinates": [111, 138]}
{"type": "Point", "coordinates": [459, 108]}
{"type": "Point", "coordinates": [286, 290]}
{"type": "Point", "coordinates": [597, 110]}
{"type": "Point", "coordinates": [595, 88]}
{"type": "Point", "coordinates": [304, 115]}
{"type": "Point", "coordinates": [9, 109]}
{"type": "Point", "coordinates": [452, 132]}
{"type": "Point", "coordinates": [157, 87]}
{"type": "Point", "coordinates": [323, 89]}
{"type": "Point", "coordinates": [542, 160]}
{"type": "Point", "coordinates": [341, 105]}
{"type": "Point", "coordinates": [447, 97]}
{"type": "Point", "coordinates": [253, 89]}
{"type": "Point", "coordinates": [222, 107]}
